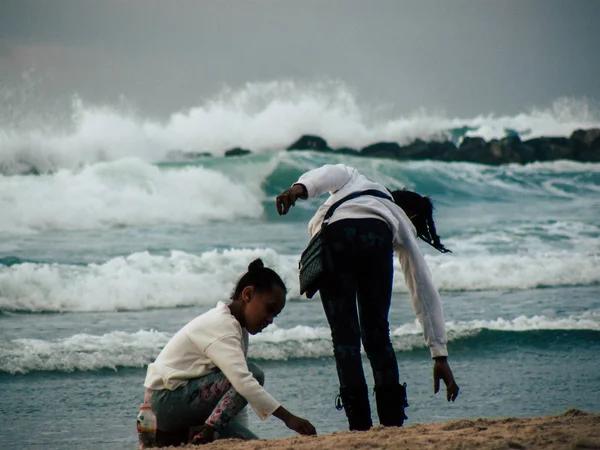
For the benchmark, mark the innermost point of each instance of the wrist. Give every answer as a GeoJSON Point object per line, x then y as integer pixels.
{"type": "Point", "coordinates": [282, 414]}
{"type": "Point", "coordinates": [300, 191]}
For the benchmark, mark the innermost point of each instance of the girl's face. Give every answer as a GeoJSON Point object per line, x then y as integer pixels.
{"type": "Point", "coordinates": [260, 308]}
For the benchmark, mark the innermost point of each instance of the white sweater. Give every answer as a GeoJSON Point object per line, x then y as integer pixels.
{"type": "Point", "coordinates": [212, 340]}
{"type": "Point", "coordinates": [340, 180]}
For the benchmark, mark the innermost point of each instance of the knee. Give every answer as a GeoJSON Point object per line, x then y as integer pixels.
{"type": "Point", "coordinates": [257, 373]}
{"type": "Point", "coordinates": [379, 344]}
{"type": "Point", "coordinates": [346, 334]}
{"type": "Point", "coordinates": [346, 351]}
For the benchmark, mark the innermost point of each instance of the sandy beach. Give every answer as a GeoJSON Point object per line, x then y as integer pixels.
{"type": "Point", "coordinates": [573, 429]}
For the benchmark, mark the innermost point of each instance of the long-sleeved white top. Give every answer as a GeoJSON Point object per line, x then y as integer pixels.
{"type": "Point", "coordinates": [340, 180]}
{"type": "Point", "coordinates": [212, 340]}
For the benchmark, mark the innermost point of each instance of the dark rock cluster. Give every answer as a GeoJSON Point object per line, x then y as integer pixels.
{"type": "Point", "coordinates": [582, 145]}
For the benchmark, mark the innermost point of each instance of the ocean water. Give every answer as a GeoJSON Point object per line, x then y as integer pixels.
{"type": "Point", "coordinates": [113, 246]}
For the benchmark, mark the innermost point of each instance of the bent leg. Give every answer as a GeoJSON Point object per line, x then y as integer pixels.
{"type": "Point", "coordinates": [209, 399]}
{"type": "Point", "coordinates": [231, 404]}
{"type": "Point", "coordinates": [238, 427]}
{"type": "Point", "coordinates": [191, 404]}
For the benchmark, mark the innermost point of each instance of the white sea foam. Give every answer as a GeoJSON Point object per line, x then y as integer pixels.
{"type": "Point", "coordinates": [128, 192]}
{"type": "Point", "coordinates": [136, 282]}
{"type": "Point", "coordinates": [518, 271]}
{"type": "Point", "coordinates": [142, 280]}
{"type": "Point", "coordinates": [260, 116]}
{"type": "Point", "coordinates": [82, 352]}
{"type": "Point", "coordinates": [121, 349]}
{"type": "Point", "coordinates": [586, 321]}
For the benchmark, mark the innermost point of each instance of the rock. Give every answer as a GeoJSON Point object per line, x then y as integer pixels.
{"type": "Point", "coordinates": [497, 151]}
{"type": "Point", "coordinates": [472, 149]}
{"type": "Point", "coordinates": [586, 137]}
{"type": "Point", "coordinates": [511, 150]}
{"type": "Point", "coordinates": [470, 143]}
{"type": "Point", "coordinates": [419, 149]}
{"type": "Point", "coordinates": [551, 148]}
{"type": "Point", "coordinates": [587, 144]}
{"type": "Point", "coordinates": [590, 154]}
{"type": "Point", "coordinates": [237, 152]}
{"type": "Point", "coordinates": [381, 149]}
{"type": "Point", "coordinates": [309, 142]}
{"type": "Point", "coordinates": [582, 145]}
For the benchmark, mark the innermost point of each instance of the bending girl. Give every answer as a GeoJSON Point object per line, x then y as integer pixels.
{"type": "Point", "coordinates": [362, 235]}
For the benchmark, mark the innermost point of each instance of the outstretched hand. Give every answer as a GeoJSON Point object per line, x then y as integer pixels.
{"type": "Point", "coordinates": [300, 426]}
{"type": "Point", "coordinates": [442, 371]}
{"type": "Point", "coordinates": [287, 198]}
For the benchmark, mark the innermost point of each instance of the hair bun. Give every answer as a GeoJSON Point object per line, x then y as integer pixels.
{"type": "Point", "coordinates": [257, 264]}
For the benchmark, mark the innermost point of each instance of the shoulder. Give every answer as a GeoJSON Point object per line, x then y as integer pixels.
{"type": "Point", "coordinates": [336, 169]}
{"type": "Point", "coordinates": [348, 169]}
{"type": "Point", "coordinates": [215, 323]}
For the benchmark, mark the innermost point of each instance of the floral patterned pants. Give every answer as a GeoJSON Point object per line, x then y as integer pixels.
{"type": "Point", "coordinates": [209, 399]}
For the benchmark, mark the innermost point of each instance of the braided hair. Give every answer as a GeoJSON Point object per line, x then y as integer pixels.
{"type": "Point", "coordinates": [422, 207]}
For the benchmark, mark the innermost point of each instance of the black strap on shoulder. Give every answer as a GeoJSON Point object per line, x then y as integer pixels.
{"type": "Point", "coordinates": [373, 192]}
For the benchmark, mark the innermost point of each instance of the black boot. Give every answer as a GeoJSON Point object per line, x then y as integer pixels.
{"type": "Point", "coordinates": [355, 401]}
{"type": "Point", "coordinates": [391, 401]}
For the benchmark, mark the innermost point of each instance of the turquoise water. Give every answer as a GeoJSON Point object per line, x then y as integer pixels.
{"type": "Point", "coordinates": [100, 265]}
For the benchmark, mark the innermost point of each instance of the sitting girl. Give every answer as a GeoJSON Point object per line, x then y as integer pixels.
{"type": "Point", "coordinates": [201, 379]}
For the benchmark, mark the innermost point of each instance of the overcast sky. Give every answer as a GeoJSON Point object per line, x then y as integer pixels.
{"type": "Point", "coordinates": [467, 57]}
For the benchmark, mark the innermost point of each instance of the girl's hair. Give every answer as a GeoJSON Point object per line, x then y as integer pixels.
{"type": "Point", "coordinates": [259, 276]}
{"type": "Point", "coordinates": [423, 220]}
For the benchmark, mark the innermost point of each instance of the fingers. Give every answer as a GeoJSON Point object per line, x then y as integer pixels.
{"type": "Point", "coordinates": [452, 391]}
{"type": "Point", "coordinates": [442, 371]}
{"type": "Point", "coordinates": [308, 429]}
{"type": "Point", "coordinates": [284, 201]}
{"type": "Point", "coordinates": [451, 386]}
{"type": "Point", "coordinates": [303, 427]}
{"type": "Point", "coordinates": [282, 205]}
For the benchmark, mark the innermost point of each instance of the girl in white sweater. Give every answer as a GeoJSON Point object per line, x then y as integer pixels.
{"type": "Point", "coordinates": [361, 237]}
{"type": "Point", "coordinates": [201, 379]}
